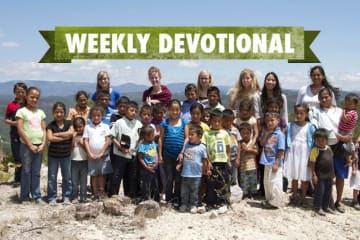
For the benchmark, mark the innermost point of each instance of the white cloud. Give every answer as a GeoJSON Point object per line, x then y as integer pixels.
{"type": "Point", "coordinates": [9, 44]}
{"type": "Point", "coordinates": [189, 63]}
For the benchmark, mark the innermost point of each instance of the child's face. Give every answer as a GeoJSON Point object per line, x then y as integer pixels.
{"type": "Point", "coordinates": [194, 138]}
{"type": "Point", "coordinates": [32, 99]}
{"type": "Point", "coordinates": [245, 113]}
{"type": "Point", "coordinates": [246, 81]}
{"type": "Point", "coordinates": [216, 122]}
{"type": "Point", "coordinates": [158, 115]}
{"type": "Point", "coordinates": [131, 113]}
{"type": "Point", "coordinates": [321, 142]}
{"type": "Point", "coordinates": [104, 101]}
{"type": "Point", "coordinates": [273, 107]}
{"type": "Point", "coordinates": [154, 79]}
{"type": "Point", "coordinates": [196, 115]}
{"type": "Point", "coordinates": [122, 108]}
{"type": "Point", "coordinates": [213, 98]}
{"type": "Point", "coordinates": [145, 116]}
{"type": "Point", "coordinates": [349, 104]}
{"type": "Point", "coordinates": [96, 117]}
{"type": "Point", "coordinates": [20, 93]}
{"type": "Point", "coordinates": [245, 134]}
{"type": "Point", "coordinates": [82, 101]}
{"type": "Point", "coordinates": [325, 99]}
{"type": "Point", "coordinates": [149, 137]}
{"type": "Point", "coordinates": [270, 82]}
{"type": "Point", "coordinates": [59, 114]}
{"type": "Point", "coordinates": [79, 128]}
{"type": "Point", "coordinates": [191, 95]}
{"type": "Point", "coordinates": [300, 114]}
{"type": "Point", "coordinates": [227, 122]}
{"type": "Point", "coordinates": [272, 122]}
{"type": "Point", "coordinates": [174, 111]}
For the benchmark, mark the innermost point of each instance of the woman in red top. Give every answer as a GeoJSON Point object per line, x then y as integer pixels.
{"type": "Point", "coordinates": [157, 93]}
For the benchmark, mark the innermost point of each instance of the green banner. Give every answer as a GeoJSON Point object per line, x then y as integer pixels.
{"type": "Point", "coordinates": [68, 43]}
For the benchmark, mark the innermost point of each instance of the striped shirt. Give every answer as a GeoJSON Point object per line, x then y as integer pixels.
{"type": "Point", "coordinates": [173, 137]}
{"type": "Point", "coordinates": [348, 122]}
{"type": "Point", "coordinates": [63, 148]}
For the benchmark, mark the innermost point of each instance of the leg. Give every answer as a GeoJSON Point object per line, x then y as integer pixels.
{"type": "Point", "coordinates": [132, 180]}
{"type": "Point", "coordinates": [327, 193]}
{"type": "Point", "coordinates": [95, 186]}
{"type": "Point", "coordinates": [26, 154]}
{"type": "Point", "coordinates": [339, 189]}
{"type": "Point", "coordinates": [169, 179]}
{"type": "Point", "coordinates": [276, 187]}
{"type": "Point", "coordinates": [154, 187]}
{"type": "Point", "coordinates": [146, 183]}
{"type": "Point", "coordinates": [304, 188]}
{"type": "Point", "coordinates": [194, 187]}
{"type": "Point", "coordinates": [185, 191]}
{"type": "Point", "coordinates": [53, 165]}
{"type": "Point", "coordinates": [294, 187]}
{"type": "Point", "coordinates": [202, 189]}
{"type": "Point", "coordinates": [83, 179]}
{"type": "Point", "coordinates": [119, 166]}
{"type": "Point", "coordinates": [65, 164]}
{"type": "Point", "coordinates": [35, 176]}
{"type": "Point", "coordinates": [319, 194]}
{"type": "Point", "coordinates": [101, 185]}
{"type": "Point", "coordinates": [75, 176]}
{"type": "Point", "coordinates": [15, 150]}
{"type": "Point", "coordinates": [266, 177]}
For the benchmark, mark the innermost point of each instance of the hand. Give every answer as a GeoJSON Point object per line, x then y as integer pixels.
{"type": "Point", "coordinates": [148, 101]}
{"type": "Point", "coordinates": [92, 156]}
{"type": "Point", "coordinates": [40, 148]}
{"type": "Point", "coordinates": [353, 172]}
{"type": "Point", "coordinates": [237, 163]}
{"type": "Point", "coordinates": [178, 167]}
{"type": "Point", "coordinates": [180, 157]}
{"type": "Point", "coordinates": [314, 179]}
{"type": "Point", "coordinates": [229, 164]}
{"type": "Point", "coordinates": [275, 167]}
{"type": "Point", "coordinates": [150, 168]}
{"type": "Point", "coordinates": [33, 148]}
{"type": "Point", "coordinates": [161, 161]}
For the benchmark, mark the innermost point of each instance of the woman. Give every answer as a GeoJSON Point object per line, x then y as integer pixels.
{"type": "Point", "coordinates": [157, 93]}
{"type": "Point", "coordinates": [205, 80]}
{"type": "Point", "coordinates": [103, 84]}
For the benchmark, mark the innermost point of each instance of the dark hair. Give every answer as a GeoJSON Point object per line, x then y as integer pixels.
{"type": "Point", "coordinates": [215, 113]}
{"type": "Point", "coordinates": [79, 119]}
{"type": "Point", "coordinates": [352, 97]}
{"type": "Point", "coordinates": [272, 114]}
{"type": "Point", "coordinates": [174, 101]}
{"type": "Point", "coordinates": [190, 87]}
{"type": "Point", "coordinates": [277, 93]}
{"type": "Point", "coordinates": [19, 85]}
{"type": "Point", "coordinates": [324, 89]}
{"type": "Point", "coordinates": [214, 89]}
{"type": "Point", "coordinates": [146, 130]}
{"type": "Point", "coordinates": [272, 100]}
{"type": "Point", "coordinates": [81, 93]}
{"type": "Point", "coordinates": [245, 125]}
{"type": "Point", "coordinates": [158, 107]}
{"type": "Point", "coordinates": [198, 130]}
{"type": "Point", "coordinates": [59, 104]}
{"type": "Point", "coordinates": [132, 104]}
{"type": "Point", "coordinates": [145, 107]}
{"type": "Point", "coordinates": [33, 89]}
{"type": "Point", "coordinates": [101, 94]}
{"type": "Point", "coordinates": [228, 113]}
{"type": "Point", "coordinates": [325, 82]}
{"type": "Point", "coordinates": [247, 104]}
{"type": "Point", "coordinates": [122, 99]}
{"type": "Point", "coordinates": [97, 108]}
{"type": "Point", "coordinates": [304, 106]}
{"type": "Point", "coordinates": [197, 105]}
{"type": "Point", "coordinates": [321, 133]}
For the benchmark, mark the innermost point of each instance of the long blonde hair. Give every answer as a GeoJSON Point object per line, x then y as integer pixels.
{"type": "Point", "coordinates": [239, 92]}
{"type": "Point", "coordinates": [211, 81]}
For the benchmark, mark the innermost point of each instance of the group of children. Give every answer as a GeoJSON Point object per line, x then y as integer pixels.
{"type": "Point", "coordinates": [189, 152]}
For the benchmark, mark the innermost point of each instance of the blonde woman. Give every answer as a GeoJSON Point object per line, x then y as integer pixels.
{"type": "Point", "coordinates": [103, 85]}
{"type": "Point", "coordinates": [205, 80]}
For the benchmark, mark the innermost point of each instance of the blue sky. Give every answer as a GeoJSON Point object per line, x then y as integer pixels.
{"type": "Point", "coordinates": [337, 46]}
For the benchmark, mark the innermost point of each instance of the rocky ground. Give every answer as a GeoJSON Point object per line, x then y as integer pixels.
{"type": "Point", "coordinates": [115, 218]}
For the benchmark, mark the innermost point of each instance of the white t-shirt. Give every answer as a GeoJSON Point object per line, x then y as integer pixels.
{"type": "Point", "coordinates": [305, 96]}
{"type": "Point", "coordinates": [96, 135]}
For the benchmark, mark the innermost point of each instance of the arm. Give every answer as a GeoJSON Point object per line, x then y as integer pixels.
{"type": "Point", "coordinates": [53, 138]}
{"type": "Point", "coordinates": [256, 133]}
{"type": "Point", "coordinates": [105, 147]}
{"type": "Point", "coordinates": [20, 124]}
{"type": "Point", "coordinates": [160, 145]}
{"type": "Point", "coordinates": [228, 153]}
{"type": "Point", "coordinates": [10, 122]}
{"type": "Point", "coordinates": [87, 149]}
{"type": "Point", "coordinates": [142, 162]}
{"type": "Point", "coordinates": [65, 135]}
{"type": "Point", "coordinates": [186, 133]}
{"type": "Point", "coordinates": [43, 142]}
{"type": "Point", "coordinates": [314, 177]}
{"type": "Point", "coordinates": [264, 137]}
{"type": "Point", "coordinates": [279, 156]}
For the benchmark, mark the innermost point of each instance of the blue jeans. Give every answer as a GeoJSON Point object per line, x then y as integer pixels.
{"type": "Point", "coordinates": [79, 170]}
{"type": "Point", "coordinates": [189, 191]}
{"type": "Point", "coordinates": [322, 193]}
{"type": "Point", "coordinates": [15, 150]}
{"type": "Point", "coordinates": [149, 185]}
{"type": "Point", "coordinates": [30, 173]}
{"type": "Point", "coordinates": [53, 166]}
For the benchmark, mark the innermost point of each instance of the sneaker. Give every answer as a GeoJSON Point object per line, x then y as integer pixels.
{"type": "Point", "coordinates": [66, 201]}
{"type": "Point", "coordinates": [223, 209]}
{"type": "Point", "coordinates": [75, 201]}
{"type": "Point", "coordinates": [201, 209]}
{"type": "Point", "coordinates": [319, 212]}
{"type": "Point", "coordinates": [183, 208]}
{"type": "Point", "coordinates": [329, 210]}
{"type": "Point", "coordinates": [339, 207]}
{"type": "Point", "coordinates": [39, 201]}
{"type": "Point", "coordinates": [355, 205]}
{"type": "Point", "coordinates": [52, 202]}
{"type": "Point", "coordinates": [193, 210]}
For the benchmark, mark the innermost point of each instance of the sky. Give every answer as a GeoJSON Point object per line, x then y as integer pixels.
{"type": "Point", "coordinates": [337, 45]}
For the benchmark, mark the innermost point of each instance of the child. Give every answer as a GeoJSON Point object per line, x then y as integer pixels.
{"type": "Point", "coordinates": [96, 141]}
{"type": "Point", "coordinates": [347, 125]}
{"type": "Point", "coordinates": [227, 123]}
{"type": "Point", "coordinates": [217, 143]}
{"type": "Point", "coordinates": [125, 135]}
{"type": "Point", "coordinates": [206, 116]}
{"type": "Point", "coordinates": [247, 161]}
{"type": "Point", "coordinates": [158, 115]}
{"type": "Point", "coordinates": [148, 159]}
{"type": "Point", "coordinates": [214, 99]}
{"type": "Point", "coordinates": [31, 126]}
{"type": "Point", "coordinates": [191, 98]}
{"type": "Point", "coordinates": [272, 141]}
{"type": "Point", "coordinates": [121, 109]}
{"type": "Point", "coordinates": [245, 110]}
{"type": "Point", "coordinates": [204, 81]}
{"type": "Point", "coordinates": [172, 136]}
{"type": "Point", "coordinates": [355, 182]}
{"type": "Point", "coordinates": [81, 108]}
{"type": "Point", "coordinates": [145, 115]}
{"type": "Point", "coordinates": [10, 119]}
{"type": "Point", "coordinates": [103, 100]}
{"type": "Point", "coordinates": [322, 168]}
{"type": "Point", "coordinates": [275, 105]}
{"type": "Point", "coordinates": [192, 165]}
{"type": "Point", "coordinates": [299, 141]}
{"type": "Point", "coordinates": [79, 163]}
{"type": "Point", "coordinates": [59, 134]}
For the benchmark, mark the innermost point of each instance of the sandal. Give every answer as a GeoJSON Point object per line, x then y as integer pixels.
{"type": "Point", "coordinates": [339, 207]}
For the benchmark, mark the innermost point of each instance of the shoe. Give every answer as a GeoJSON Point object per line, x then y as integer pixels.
{"type": "Point", "coordinates": [183, 208]}
{"type": "Point", "coordinates": [339, 207]}
{"type": "Point", "coordinates": [355, 205]}
{"type": "Point", "coordinates": [201, 209]}
{"type": "Point", "coordinates": [66, 201]}
{"type": "Point", "coordinates": [52, 202]}
{"type": "Point", "coordinates": [25, 202]}
{"type": "Point", "coordinates": [75, 201]}
{"type": "Point", "coordinates": [329, 210]}
{"type": "Point", "coordinates": [320, 212]}
{"type": "Point", "coordinates": [193, 210]}
{"type": "Point", "coordinates": [39, 201]}
{"type": "Point", "coordinates": [223, 209]}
